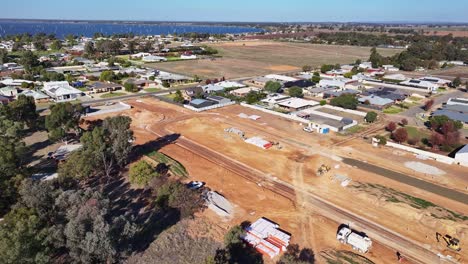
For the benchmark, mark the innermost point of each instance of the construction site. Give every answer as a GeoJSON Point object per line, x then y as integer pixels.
{"type": "Point", "coordinates": [261, 165]}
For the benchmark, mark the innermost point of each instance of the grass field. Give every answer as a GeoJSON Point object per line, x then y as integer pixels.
{"type": "Point", "coordinates": [110, 95]}
{"type": "Point", "coordinates": [254, 58]}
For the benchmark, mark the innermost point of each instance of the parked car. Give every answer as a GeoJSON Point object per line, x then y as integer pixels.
{"type": "Point", "coordinates": [308, 129]}
{"type": "Point", "coordinates": [195, 185]}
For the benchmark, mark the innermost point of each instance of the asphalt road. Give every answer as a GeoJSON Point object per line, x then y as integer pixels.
{"type": "Point", "coordinates": [400, 177]}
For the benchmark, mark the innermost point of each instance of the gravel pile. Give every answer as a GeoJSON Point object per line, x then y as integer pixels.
{"type": "Point", "coordinates": [424, 168]}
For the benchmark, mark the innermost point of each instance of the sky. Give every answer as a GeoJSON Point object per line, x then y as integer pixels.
{"type": "Point", "coordinates": [241, 10]}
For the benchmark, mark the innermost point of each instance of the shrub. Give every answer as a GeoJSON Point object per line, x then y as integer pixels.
{"type": "Point", "coordinates": [371, 117]}
{"type": "Point", "coordinates": [383, 140]}
{"type": "Point", "coordinates": [391, 127]}
{"type": "Point", "coordinates": [323, 102]}
{"type": "Point", "coordinates": [141, 173]}
{"type": "Point", "coordinates": [296, 92]}
{"type": "Point", "coordinates": [404, 122]}
{"type": "Point", "coordinates": [347, 101]}
{"type": "Point", "coordinates": [400, 135]}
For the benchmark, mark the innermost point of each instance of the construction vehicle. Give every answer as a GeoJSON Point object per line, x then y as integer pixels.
{"type": "Point", "coordinates": [358, 241]}
{"type": "Point", "coordinates": [323, 169]}
{"type": "Point", "coordinates": [452, 243]}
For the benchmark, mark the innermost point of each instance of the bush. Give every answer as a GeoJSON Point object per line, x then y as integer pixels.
{"type": "Point", "coordinates": [347, 101]}
{"type": "Point", "coordinates": [130, 87]}
{"type": "Point", "coordinates": [272, 87]}
{"type": "Point", "coordinates": [141, 173]}
{"type": "Point", "coordinates": [383, 140]}
{"type": "Point", "coordinates": [296, 92]}
{"type": "Point", "coordinates": [404, 122]}
{"type": "Point", "coordinates": [391, 127]}
{"type": "Point", "coordinates": [371, 117]}
{"type": "Point", "coordinates": [400, 135]}
{"type": "Point", "coordinates": [323, 102]}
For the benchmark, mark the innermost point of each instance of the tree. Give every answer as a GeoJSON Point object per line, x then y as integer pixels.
{"type": "Point", "coordinates": [142, 173]}
{"type": "Point", "coordinates": [326, 67]}
{"type": "Point", "coordinates": [347, 101]}
{"type": "Point", "coordinates": [456, 82]}
{"type": "Point", "coordinates": [295, 255]}
{"type": "Point", "coordinates": [233, 236]}
{"type": "Point", "coordinates": [382, 140]}
{"type": "Point", "coordinates": [63, 118]}
{"type": "Point", "coordinates": [296, 92]}
{"type": "Point", "coordinates": [316, 77]}
{"type": "Point", "coordinates": [131, 46]}
{"type": "Point", "coordinates": [371, 117]}
{"type": "Point", "coordinates": [29, 60]}
{"type": "Point", "coordinates": [323, 102]}
{"type": "Point", "coordinates": [176, 195]}
{"type": "Point", "coordinates": [89, 49]}
{"type": "Point", "coordinates": [166, 84]}
{"type": "Point", "coordinates": [306, 68]}
{"type": "Point", "coordinates": [375, 58]}
{"type": "Point", "coordinates": [56, 45]}
{"type": "Point", "coordinates": [119, 137]}
{"type": "Point", "coordinates": [23, 109]}
{"type": "Point", "coordinates": [130, 87]}
{"type": "Point", "coordinates": [3, 56]}
{"type": "Point", "coordinates": [404, 122]}
{"type": "Point", "coordinates": [391, 127]}
{"type": "Point", "coordinates": [428, 105]}
{"type": "Point", "coordinates": [272, 86]}
{"type": "Point", "coordinates": [253, 97]}
{"type": "Point", "coordinates": [108, 76]}
{"type": "Point", "coordinates": [400, 135]}
{"type": "Point", "coordinates": [178, 98]}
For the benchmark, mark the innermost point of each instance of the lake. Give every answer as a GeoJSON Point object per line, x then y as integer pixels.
{"type": "Point", "coordinates": [61, 29]}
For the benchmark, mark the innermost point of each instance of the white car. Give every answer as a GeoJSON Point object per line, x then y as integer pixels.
{"type": "Point", "coordinates": [195, 185]}
{"type": "Point", "coordinates": [308, 129]}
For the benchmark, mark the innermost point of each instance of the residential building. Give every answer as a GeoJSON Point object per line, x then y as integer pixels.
{"type": "Point", "coordinates": [152, 58]}
{"type": "Point", "coordinates": [218, 99]}
{"type": "Point", "coordinates": [296, 104]}
{"type": "Point", "coordinates": [390, 68]}
{"type": "Point", "coordinates": [260, 81]}
{"type": "Point", "coordinates": [454, 112]}
{"type": "Point", "coordinates": [172, 78]}
{"type": "Point", "coordinates": [230, 84]}
{"type": "Point", "coordinates": [299, 83]}
{"type": "Point", "coordinates": [188, 57]}
{"type": "Point", "coordinates": [393, 94]}
{"type": "Point", "coordinates": [241, 92]}
{"type": "Point", "coordinates": [332, 94]}
{"type": "Point", "coordinates": [419, 84]}
{"type": "Point", "coordinates": [461, 157]}
{"type": "Point", "coordinates": [103, 87]}
{"type": "Point", "coordinates": [38, 96]}
{"type": "Point", "coordinates": [140, 55]}
{"type": "Point", "coordinates": [376, 101]}
{"type": "Point", "coordinates": [213, 88]}
{"type": "Point", "coordinates": [9, 91]}
{"type": "Point", "coordinates": [280, 78]}
{"type": "Point", "coordinates": [14, 82]}
{"type": "Point", "coordinates": [458, 101]}
{"type": "Point", "coordinates": [191, 93]}
{"type": "Point", "coordinates": [274, 99]}
{"type": "Point", "coordinates": [61, 91]}
{"type": "Point", "coordinates": [436, 80]}
{"type": "Point", "coordinates": [200, 103]}
{"type": "Point", "coordinates": [319, 91]}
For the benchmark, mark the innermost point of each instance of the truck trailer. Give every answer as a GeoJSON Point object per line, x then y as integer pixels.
{"type": "Point", "coordinates": [359, 242]}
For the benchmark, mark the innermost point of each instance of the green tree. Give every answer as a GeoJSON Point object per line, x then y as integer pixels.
{"type": "Point", "coordinates": [23, 109]}
{"type": "Point", "coordinates": [326, 67]}
{"type": "Point", "coordinates": [89, 50]}
{"type": "Point", "coordinates": [63, 118]}
{"type": "Point", "coordinates": [29, 60]}
{"type": "Point", "coordinates": [56, 45]}
{"type": "Point", "coordinates": [131, 46]}
{"type": "Point", "coordinates": [272, 86]}
{"type": "Point", "coordinates": [375, 58]}
{"type": "Point", "coordinates": [296, 92]}
{"type": "Point", "coordinates": [371, 117]}
{"type": "Point", "coordinates": [166, 84]}
{"type": "Point", "coordinates": [141, 173]}
{"type": "Point", "coordinates": [456, 82]}
{"type": "Point", "coordinates": [3, 56]}
{"type": "Point", "coordinates": [316, 77]}
{"type": "Point", "coordinates": [254, 97]}
{"type": "Point", "coordinates": [177, 195]}
{"type": "Point", "coordinates": [130, 87]}
{"type": "Point", "coordinates": [295, 255]}
{"type": "Point", "coordinates": [178, 98]}
{"type": "Point", "coordinates": [233, 236]}
{"type": "Point", "coordinates": [323, 102]}
{"type": "Point", "coordinates": [347, 101]}
{"type": "Point", "coordinates": [108, 76]}
{"type": "Point", "coordinates": [306, 68]}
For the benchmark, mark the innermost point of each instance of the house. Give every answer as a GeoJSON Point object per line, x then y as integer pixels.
{"type": "Point", "coordinates": [299, 83]}
{"type": "Point", "coordinates": [188, 57]}
{"type": "Point", "coordinates": [319, 91]}
{"type": "Point", "coordinates": [5, 100]}
{"type": "Point", "coordinates": [200, 103]}
{"type": "Point", "coordinates": [296, 104]}
{"type": "Point", "coordinates": [172, 78]}
{"type": "Point", "coordinates": [230, 84]}
{"type": "Point", "coordinates": [142, 83]}
{"type": "Point", "coordinates": [461, 157]}
{"type": "Point", "coordinates": [260, 81]}
{"type": "Point", "coordinates": [332, 94]}
{"type": "Point", "coordinates": [365, 65]}
{"type": "Point", "coordinates": [193, 92]}
{"type": "Point", "coordinates": [458, 101]}
{"type": "Point", "coordinates": [274, 99]}
{"type": "Point", "coordinates": [393, 94]}
{"type": "Point", "coordinates": [103, 87]}
{"type": "Point", "coordinates": [435, 80]}
{"type": "Point", "coordinates": [265, 236]}
{"type": "Point", "coordinates": [139, 55]}
{"type": "Point", "coordinates": [14, 82]}
{"type": "Point", "coordinates": [390, 68]}
{"type": "Point", "coordinates": [152, 58]}
{"type": "Point", "coordinates": [213, 88]}
{"type": "Point", "coordinates": [419, 84]}
{"type": "Point", "coordinates": [376, 101]}
{"type": "Point", "coordinates": [241, 92]}
{"type": "Point", "coordinates": [280, 78]}
{"type": "Point", "coordinates": [454, 112]}
{"type": "Point", "coordinates": [9, 91]}
{"type": "Point", "coordinates": [218, 99]}
{"type": "Point", "coordinates": [61, 91]}
{"type": "Point", "coordinates": [395, 77]}
{"type": "Point", "coordinates": [38, 96]}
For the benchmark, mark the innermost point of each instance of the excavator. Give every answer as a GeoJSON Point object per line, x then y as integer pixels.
{"type": "Point", "coordinates": [452, 243]}
{"type": "Point", "coordinates": [323, 169]}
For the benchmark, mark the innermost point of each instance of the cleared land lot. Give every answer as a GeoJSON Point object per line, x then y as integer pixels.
{"type": "Point", "coordinates": [254, 58]}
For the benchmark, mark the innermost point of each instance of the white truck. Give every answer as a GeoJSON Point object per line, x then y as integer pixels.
{"type": "Point", "coordinates": [358, 242]}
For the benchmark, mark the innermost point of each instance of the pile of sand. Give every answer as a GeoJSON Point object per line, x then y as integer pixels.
{"type": "Point", "coordinates": [424, 168]}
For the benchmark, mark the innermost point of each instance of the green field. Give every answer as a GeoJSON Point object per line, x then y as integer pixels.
{"type": "Point", "coordinates": [110, 95]}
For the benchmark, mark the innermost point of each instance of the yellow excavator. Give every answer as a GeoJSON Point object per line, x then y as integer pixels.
{"type": "Point", "coordinates": [452, 243]}
{"type": "Point", "coordinates": [323, 169]}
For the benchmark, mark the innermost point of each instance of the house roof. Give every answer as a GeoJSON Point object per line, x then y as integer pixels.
{"type": "Point", "coordinates": [338, 93]}
{"type": "Point", "coordinates": [60, 88]}
{"type": "Point", "coordinates": [297, 103]}
{"type": "Point", "coordinates": [35, 94]}
{"type": "Point", "coordinates": [213, 88]}
{"type": "Point", "coordinates": [459, 116]}
{"type": "Point", "coordinates": [389, 93]}
{"type": "Point", "coordinates": [299, 83]}
{"type": "Point", "coordinates": [198, 101]}
{"type": "Point", "coordinates": [375, 100]}
{"type": "Point", "coordinates": [101, 85]}
{"type": "Point", "coordinates": [194, 91]}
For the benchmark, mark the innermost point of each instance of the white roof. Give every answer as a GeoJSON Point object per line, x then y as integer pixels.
{"type": "Point", "coordinates": [60, 88]}
{"type": "Point", "coordinates": [283, 78]}
{"type": "Point", "coordinates": [35, 94]}
{"type": "Point", "coordinates": [297, 103]}
{"type": "Point", "coordinates": [154, 58]}
{"type": "Point", "coordinates": [435, 80]}
{"type": "Point", "coordinates": [457, 101]}
{"type": "Point", "coordinates": [14, 82]}
{"type": "Point", "coordinates": [420, 83]}
{"type": "Point", "coordinates": [398, 77]}
{"type": "Point", "coordinates": [337, 83]}
{"type": "Point", "coordinates": [244, 90]}
{"type": "Point", "coordinates": [275, 98]}
{"type": "Point", "coordinates": [229, 84]}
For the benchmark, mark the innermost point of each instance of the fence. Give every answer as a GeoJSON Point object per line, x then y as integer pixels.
{"type": "Point", "coordinates": [208, 107]}
{"type": "Point", "coordinates": [434, 156]}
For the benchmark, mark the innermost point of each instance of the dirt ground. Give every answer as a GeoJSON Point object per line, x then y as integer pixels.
{"type": "Point", "coordinates": [449, 73]}
{"type": "Point", "coordinates": [296, 163]}
{"type": "Point", "coordinates": [254, 58]}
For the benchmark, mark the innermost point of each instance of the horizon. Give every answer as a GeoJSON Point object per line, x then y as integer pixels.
{"type": "Point", "coordinates": [243, 11]}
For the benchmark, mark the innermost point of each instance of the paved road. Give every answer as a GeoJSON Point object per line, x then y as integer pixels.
{"type": "Point", "coordinates": [400, 177]}
{"type": "Point", "coordinates": [411, 249]}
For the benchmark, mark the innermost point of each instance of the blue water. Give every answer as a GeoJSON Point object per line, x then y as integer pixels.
{"type": "Point", "coordinates": [61, 29]}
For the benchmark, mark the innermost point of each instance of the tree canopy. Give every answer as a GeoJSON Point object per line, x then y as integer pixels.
{"type": "Point", "coordinates": [272, 86]}
{"type": "Point", "coordinates": [63, 118]}
{"type": "Point", "coordinates": [347, 101]}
